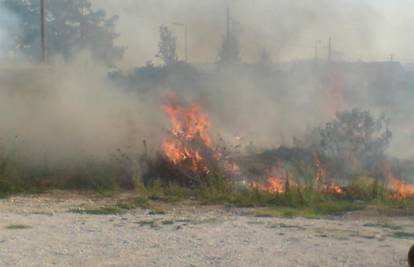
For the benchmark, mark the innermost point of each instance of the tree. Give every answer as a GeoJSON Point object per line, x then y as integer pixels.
{"type": "Point", "coordinates": [72, 25]}
{"type": "Point", "coordinates": [356, 139]}
{"type": "Point", "coordinates": [229, 53]}
{"type": "Point", "coordinates": [167, 46]}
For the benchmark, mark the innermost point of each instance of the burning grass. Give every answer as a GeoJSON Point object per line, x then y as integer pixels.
{"type": "Point", "coordinates": [187, 156]}
{"type": "Point", "coordinates": [317, 179]}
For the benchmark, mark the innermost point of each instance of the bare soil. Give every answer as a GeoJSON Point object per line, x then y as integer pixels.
{"type": "Point", "coordinates": [41, 231]}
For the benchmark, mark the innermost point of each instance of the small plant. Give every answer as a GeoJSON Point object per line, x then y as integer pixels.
{"type": "Point", "coordinates": [138, 202]}
{"type": "Point", "coordinates": [147, 223]}
{"type": "Point", "coordinates": [98, 211]}
{"type": "Point", "coordinates": [18, 227]}
{"type": "Point", "coordinates": [403, 235]}
{"type": "Point", "coordinates": [156, 212]}
{"type": "Point", "coordinates": [384, 225]}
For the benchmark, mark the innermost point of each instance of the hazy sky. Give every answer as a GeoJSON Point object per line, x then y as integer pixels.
{"type": "Point", "coordinates": [360, 29]}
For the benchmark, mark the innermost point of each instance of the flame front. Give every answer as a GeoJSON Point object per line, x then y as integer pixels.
{"type": "Point", "coordinates": [333, 188]}
{"type": "Point", "coordinates": [190, 134]}
{"type": "Point", "coordinates": [272, 185]}
{"type": "Point", "coordinates": [319, 180]}
{"type": "Point", "coordinates": [402, 190]}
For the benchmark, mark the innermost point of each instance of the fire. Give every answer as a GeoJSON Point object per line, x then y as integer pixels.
{"type": "Point", "coordinates": [278, 184]}
{"type": "Point", "coordinates": [320, 172]}
{"type": "Point", "coordinates": [320, 180]}
{"type": "Point", "coordinates": [333, 188]}
{"type": "Point", "coordinates": [272, 185]}
{"type": "Point", "coordinates": [402, 190]}
{"type": "Point", "coordinates": [188, 124]}
{"type": "Point", "coordinates": [190, 134]}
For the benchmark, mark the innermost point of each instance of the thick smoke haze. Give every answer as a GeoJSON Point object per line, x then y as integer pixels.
{"type": "Point", "coordinates": [366, 30]}
{"type": "Point", "coordinates": [69, 110]}
{"type": "Point", "coordinates": [72, 109]}
{"type": "Point", "coordinates": [8, 27]}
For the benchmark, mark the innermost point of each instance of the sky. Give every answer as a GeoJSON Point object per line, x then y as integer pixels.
{"type": "Point", "coordinates": [360, 29]}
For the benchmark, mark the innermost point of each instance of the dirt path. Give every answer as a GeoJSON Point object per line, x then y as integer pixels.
{"type": "Point", "coordinates": [39, 231]}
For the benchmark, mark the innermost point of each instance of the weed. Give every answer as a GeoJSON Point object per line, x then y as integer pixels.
{"type": "Point", "coordinates": [149, 223]}
{"type": "Point", "coordinates": [385, 225]}
{"type": "Point", "coordinates": [156, 212]}
{"type": "Point", "coordinates": [98, 211]}
{"type": "Point", "coordinates": [18, 227]}
{"type": "Point", "coordinates": [138, 202]}
{"type": "Point", "coordinates": [317, 210]}
{"type": "Point", "coordinates": [403, 235]}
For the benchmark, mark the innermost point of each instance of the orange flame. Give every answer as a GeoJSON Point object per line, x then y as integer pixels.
{"type": "Point", "coordinates": [190, 132]}
{"type": "Point", "coordinates": [402, 189]}
{"type": "Point", "coordinates": [272, 185]}
{"type": "Point", "coordinates": [320, 179]}
{"type": "Point", "coordinates": [333, 188]}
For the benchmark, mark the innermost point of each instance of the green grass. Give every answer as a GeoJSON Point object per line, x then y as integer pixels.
{"type": "Point", "coordinates": [98, 211]}
{"type": "Point", "coordinates": [393, 207]}
{"type": "Point", "coordinates": [17, 176]}
{"type": "Point", "coordinates": [316, 211]}
{"type": "Point", "coordinates": [403, 235]}
{"type": "Point", "coordinates": [18, 227]}
{"type": "Point", "coordinates": [138, 202]}
{"type": "Point", "coordinates": [119, 208]}
{"type": "Point", "coordinates": [156, 212]}
{"type": "Point", "coordinates": [147, 223]}
{"type": "Point", "coordinates": [384, 225]}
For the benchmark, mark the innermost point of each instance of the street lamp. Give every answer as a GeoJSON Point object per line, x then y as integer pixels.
{"type": "Point", "coordinates": [43, 30]}
{"type": "Point", "coordinates": [317, 43]}
{"type": "Point", "coordinates": [184, 25]}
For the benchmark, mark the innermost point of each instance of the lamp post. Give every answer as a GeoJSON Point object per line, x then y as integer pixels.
{"type": "Point", "coordinates": [185, 26]}
{"type": "Point", "coordinates": [43, 30]}
{"type": "Point", "coordinates": [317, 43]}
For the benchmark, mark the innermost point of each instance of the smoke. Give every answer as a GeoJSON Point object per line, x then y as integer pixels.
{"type": "Point", "coordinates": [368, 30]}
{"type": "Point", "coordinates": [8, 31]}
{"type": "Point", "coordinates": [71, 109]}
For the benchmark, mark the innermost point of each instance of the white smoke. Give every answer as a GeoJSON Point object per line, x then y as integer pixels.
{"type": "Point", "coordinates": [9, 29]}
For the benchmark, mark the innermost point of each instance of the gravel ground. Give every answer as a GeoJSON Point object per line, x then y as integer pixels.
{"type": "Point", "coordinates": [39, 231]}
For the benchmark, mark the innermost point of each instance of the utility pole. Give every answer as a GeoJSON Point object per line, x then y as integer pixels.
{"type": "Point", "coordinates": [82, 26]}
{"type": "Point", "coordinates": [228, 23]}
{"type": "Point", "coordinates": [317, 43]}
{"type": "Point", "coordinates": [43, 30]}
{"type": "Point", "coordinates": [391, 72]}
{"type": "Point", "coordinates": [330, 50]}
{"type": "Point", "coordinates": [186, 42]}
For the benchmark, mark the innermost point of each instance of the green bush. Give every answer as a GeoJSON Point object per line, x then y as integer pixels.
{"type": "Point", "coordinates": [365, 188]}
